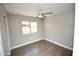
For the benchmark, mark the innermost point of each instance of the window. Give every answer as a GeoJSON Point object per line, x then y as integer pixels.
{"type": "Point", "coordinates": [25, 27]}
{"type": "Point", "coordinates": [33, 27]}
{"type": "Point", "coordinates": [29, 27]}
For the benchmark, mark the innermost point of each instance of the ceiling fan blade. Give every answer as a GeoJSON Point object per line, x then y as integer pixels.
{"type": "Point", "coordinates": [47, 13]}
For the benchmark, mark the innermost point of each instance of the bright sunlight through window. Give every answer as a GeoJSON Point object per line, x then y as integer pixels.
{"type": "Point", "coordinates": [29, 27]}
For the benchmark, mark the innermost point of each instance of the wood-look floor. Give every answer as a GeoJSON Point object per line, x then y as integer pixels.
{"type": "Point", "coordinates": [41, 48]}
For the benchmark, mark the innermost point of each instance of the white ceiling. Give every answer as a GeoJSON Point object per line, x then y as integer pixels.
{"type": "Point", "coordinates": [31, 9]}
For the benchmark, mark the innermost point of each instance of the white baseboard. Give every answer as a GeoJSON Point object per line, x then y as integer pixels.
{"type": "Point", "coordinates": [39, 40]}
{"type": "Point", "coordinates": [26, 43]}
{"type": "Point", "coordinates": [59, 44]}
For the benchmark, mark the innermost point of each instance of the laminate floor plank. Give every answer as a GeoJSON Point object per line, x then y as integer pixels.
{"type": "Point", "coordinates": [41, 48]}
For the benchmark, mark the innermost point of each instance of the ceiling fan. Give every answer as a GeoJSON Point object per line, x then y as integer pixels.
{"type": "Point", "coordinates": [43, 15]}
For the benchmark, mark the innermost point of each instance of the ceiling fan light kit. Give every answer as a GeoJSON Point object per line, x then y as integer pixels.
{"type": "Point", "coordinates": [43, 15]}
{"type": "Point", "coordinates": [40, 16]}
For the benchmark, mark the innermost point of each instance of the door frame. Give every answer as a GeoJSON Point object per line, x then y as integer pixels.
{"type": "Point", "coordinates": [1, 45]}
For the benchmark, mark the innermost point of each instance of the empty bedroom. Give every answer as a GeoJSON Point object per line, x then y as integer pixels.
{"type": "Point", "coordinates": [37, 29]}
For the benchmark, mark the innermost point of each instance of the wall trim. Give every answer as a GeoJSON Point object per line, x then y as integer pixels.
{"type": "Point", "coordinates": [39, 40]}
{"type": "Point", "coordinates": [25, 43]}
{"type": "Point", "coordinates": [59, 44]}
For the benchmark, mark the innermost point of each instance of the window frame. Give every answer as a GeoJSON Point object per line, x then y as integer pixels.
{"type": "Point", "coordinates": [29, 26]}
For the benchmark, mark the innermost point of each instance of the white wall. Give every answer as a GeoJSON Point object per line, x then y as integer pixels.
{"type": "Point", "coordinates": [4, 29]}
{"type": "Point", "coordinates": [16, 37]}
{"type": "Point", "coordinates": [60, 28]}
